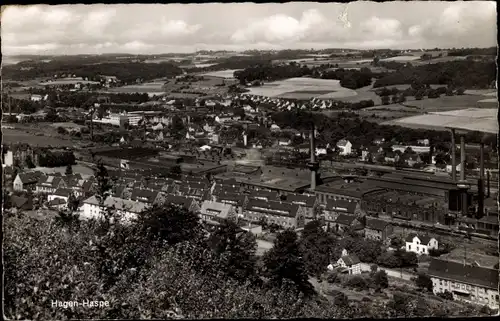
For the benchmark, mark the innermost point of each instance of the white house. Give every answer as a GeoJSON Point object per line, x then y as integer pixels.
{"type": "Point", "coordinates": [126, 208]}
{"type": "Point", "coordinates": [420, 244]}
{"type": "Point", "coordinates": [275, 127]}
{"type": "Point", "coordinates": [8, 159]}
{"type": "Point", "coordinates": [467, 283]}
{"type": "Point", "coordinates": [217, 211]}
{"type": "Point", "coordinates": [450, 167]}
{"type": "Point", "coordinates": [284, 142]}
{"type": "Point", "coordinates": [60, 193]}
{"type": "Point", "coordinates": [345, 147]}
{"type": "Point", "coordinates": [36, 97]}
{"type": "Point", "coordinates": [349, 263]}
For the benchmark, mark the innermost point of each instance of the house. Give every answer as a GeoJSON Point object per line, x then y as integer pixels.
{"type": "Point", "coordinates": [307, 202]}
{"type": "Point", "coordinates": [449, 168]}
{"type": "Point", "coordinates": [264, 195]}
{"type": "Point", "coordinates": [21, 203]}
{"type": "Point", "coordinates": [391, 157]}
{"type": "Point", "coordinates": [275, 128]}
{"type": "Point", "coordinates": [187, 203]}
{"type": "Point", "coordinates": [285, 214]}
{"type": "Point", "coordinates": [127, 209]}
{"type": "Point", "coordinates": [349, 263]}
{"type": "Point", "coordinates": [36, 98]}
{"type": "Point", "coordinates": [147, 196]}
{"type": "Point", "coordinates": [420, 244]}
{"type": "Point", "coordinates": [412, 159]}
{"type": "Point", "coordinates": [467, 283]}
{"type": "Point", "coordinates": [26, 181]}
{"type": "Point", "coordinates": [60, 193]}
{"type": "Point", "coordinates": [335, 207]}
{"type": "Point", "coordinates": [379, 141]}
{"type": "Point", "coordinates": [376, 229]}
{"type": "Point", "coordinates": [345, 147]}
{"type": "Point", "coordinates": [217, 212]}
{"type": "Point", "coordinates": [57, 204]}
{"type": "Point", "coordinates": [423, 142]}
{"type": "Point", "coordinates": [238, 200]}
{"type": "Point", "coordinates": [49, 184]}
{"type": "Point", "coordinates": [284, 142]}
{"type": "Point", "coordinates": [344, 223]}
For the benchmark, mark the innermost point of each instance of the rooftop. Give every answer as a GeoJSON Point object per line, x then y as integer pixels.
{"type": "Point", "coordinates": [468, 274]}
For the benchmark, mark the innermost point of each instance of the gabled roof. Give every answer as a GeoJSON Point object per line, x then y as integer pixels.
{"type": "Point", "coordinates": [303, 200]}
{"type": "Point", "coordinates": [231, 198]}
{"type": "Point", "coordinates": [182, 201]}
{"type": "Point", "coordinates": [344, 219]}
{"type": "Point", "coordinates": [424, 239]}
{"type": "Point", "coordinates": [341, 206]}
{"type": "Point", "coordinates": [57, 201]}
{"type": "Point", "coordinates": [474, 275]}
{"type": "Point", "coordinates": [21, 202]}
{"type": "Point", "coordinates": [376, 224]}
{"type": "Point", "coordinates": [119, 204]}
{"type": "Point", "coordinates": [350, 260]}
{"type": "Point", "coordinates": [262, 194]}
{"type": "Point", "coordinates": [30, 177]}
{"type": "Point", "coordinates": [144, 195]}
{"type": "Point", "coordinates": [342, 143]}
{"type": "Point", "coordinates": [65, 192]}
{"type": "Point", "coordinates": [273, 207]}
{"type": "Point", "coordinates": [222, 209]}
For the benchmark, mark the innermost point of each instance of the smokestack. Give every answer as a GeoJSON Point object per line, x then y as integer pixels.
{"type": "Point", "coordinates": [313, 164]}
{"type": "Point", "coordinates": [245, 139]}
{"type": "Point", "coordinates": [488, 182]}
{"type": "Point", "coordinates": [453, 159]}
{"type": "Point", "coordinates": [462, 157]}
{"type": "Point", "coordinates": [480, 183]}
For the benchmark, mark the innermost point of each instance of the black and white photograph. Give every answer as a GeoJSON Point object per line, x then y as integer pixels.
{"type": "Point", "coordinates": [250, 160]}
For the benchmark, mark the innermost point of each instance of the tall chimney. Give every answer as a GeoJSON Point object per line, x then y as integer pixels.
{"type": "Point", "coordinates": [313, 164]}
{"type": "Point", "coordinates": [488, 182]}
{"type": "Point", "coordinates": [462, 157]}
{"type": "Point", "coordinates": [453, 158]}
{"type": "Point", "coordinates": [480, 183]}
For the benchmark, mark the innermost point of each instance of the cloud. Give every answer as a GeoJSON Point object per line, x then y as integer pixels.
{"type": "Point", "coordinates": [74, 29]}
{"type": "Point", "coordinates": [280, 28]}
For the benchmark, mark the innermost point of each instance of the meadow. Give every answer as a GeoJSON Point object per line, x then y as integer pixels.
{"type": "Point", "coordinates": [221, 73]}
{"type": "Point", "coordinates": [303, 88]}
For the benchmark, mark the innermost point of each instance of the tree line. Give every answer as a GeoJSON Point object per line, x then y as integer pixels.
{"type": "Point", "coordinates": [126, 72]}
{"type": "Point", "coordinates": [467, 74]}
{"type": "Point", "coordinates": [48, 158]}
{"type": "Point", "coordinates": [359, 131]}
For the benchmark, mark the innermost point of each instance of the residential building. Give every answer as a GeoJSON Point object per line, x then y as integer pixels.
{"type": "Point", "coordinates": [147, 196]}
{"type": "Point", "coordinates": [420, 244]}
{"type": "Point", "coordinates": [217, 212]}
{"type": "Point", "coordinates": [49, 184]}
{"type": "Point", "coordinates": [467, 283]}
{"type": "Point", "coordinates": [350, 264]}
{"type": "Point", "coordinates": [345, 147]}
{"type": "Point", "coordinates": [335, 207]}
{"type": "Point", "coordinates": [26, 181]}
{"type": "Point", "coordinates": [60, 193]}
{"type": "Point", "coordinates": [284, 214]}
{"type": "Point", "coordinates": [127, 209]}
{"type": "Point", "coordinates": [21, 203]}
{"type": "Point", "coordinates": [344, 223]}
{"type": "Point", "coordinates": [376, 229]}
{"type": "Point", "coordinates": [307, 202]}
{"type": "Point", "coordinates": [187, 203]}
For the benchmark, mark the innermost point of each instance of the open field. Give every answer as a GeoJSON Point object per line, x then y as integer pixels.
{"type": "Point", "coordinates": [401, 58]}
{"type": "Point", "coordinates": [222, 73]}
{"type": "Point", "coordinates": [67, 81]}
{"type": "Point", "coordinates": [153, 87]}
{"type": "Point", "coordinates": [77, 169]}
{"type": "Point", "coordinates": [303, 88]}
{"type": "Point", "coordinates": [444, 103]}
{"type": "Point", "coordinates": [12, 136]}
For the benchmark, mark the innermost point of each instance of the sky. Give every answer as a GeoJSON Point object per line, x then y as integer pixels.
{"type": "Point", "coordinates": [175, 28]}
